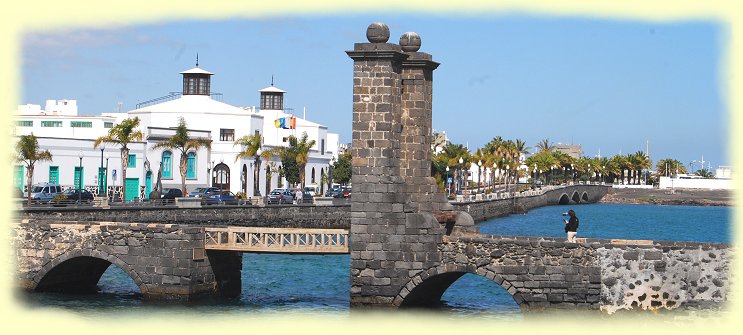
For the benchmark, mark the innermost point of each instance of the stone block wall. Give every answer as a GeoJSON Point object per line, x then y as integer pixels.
{"type": "Point", "coordinates": [485, 209]}
{"type": "Point", "coordinates": [247, 216]}
{"type": "Point", "coordinates": [390, 237]}
{"type": "Point", "coordinates": [167, 262]}
{"type": "Point", "coordinates": [596, 274]}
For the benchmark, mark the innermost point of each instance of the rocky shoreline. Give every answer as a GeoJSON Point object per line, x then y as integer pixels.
{"type": "Point", "coordinates": [679, 197]}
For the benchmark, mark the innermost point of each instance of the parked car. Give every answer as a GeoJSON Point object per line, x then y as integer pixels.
{"type": "Point", "coordinates": [280, 196]}
{"type": "Point", "coordinates": [171, 193]}
{"type": "Point", "coordinates": [220, 197]}
{"type": "Point", "coordinates": [312, 190]}
{"type": "Point", "coordinates": [45, 191]}
{"type": "Point", "coordinates": [78, 194]}
{"type": "Point", "coordinates": [307, 198]}
{"type": "Point", "coordinates": [333, 191]}
{"type": "Point", "coordinates": [344, 192]}
{"type": "Point", "coordinates": [202, 192]}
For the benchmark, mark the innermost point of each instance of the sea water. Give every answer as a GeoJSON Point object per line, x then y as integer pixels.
{"type": "Point", "coordinates": [320, 283]}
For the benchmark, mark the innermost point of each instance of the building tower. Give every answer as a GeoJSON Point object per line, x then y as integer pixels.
{"type": "Point", "coordinates": [197, 81]}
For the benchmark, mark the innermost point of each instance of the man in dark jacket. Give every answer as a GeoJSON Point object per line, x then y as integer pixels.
{"type": "Point", "coordinates": [571, 226]}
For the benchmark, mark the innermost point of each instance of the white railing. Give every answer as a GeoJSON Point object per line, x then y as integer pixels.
{"type": "Point", "coordinates": [508, 195]}
{"type": "Point", "coordinates": [278, 240]}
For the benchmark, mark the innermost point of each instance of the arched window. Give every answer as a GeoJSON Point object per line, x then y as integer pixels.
{"type": "Point", "coordinates": [313, 175]}
{"type": "Point", "coordinates": [221, 177]}
{"type": "Point", "coordinates": [191, 166]}
{"type": "Point", "coordinates": [167, 164]}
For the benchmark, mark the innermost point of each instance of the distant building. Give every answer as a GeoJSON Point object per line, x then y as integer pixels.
{"type": "Point", "coordinates": [724, 172]}
{"type": "Point", "coordinates": [69, 137]}
{"type": "Point", "coordinates": [439, 141]}
{"type": "Point", "coordinates": [572, 150]}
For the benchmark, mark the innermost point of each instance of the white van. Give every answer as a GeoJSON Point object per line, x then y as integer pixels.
{"type": "Point", "coordinates": [45, 191]}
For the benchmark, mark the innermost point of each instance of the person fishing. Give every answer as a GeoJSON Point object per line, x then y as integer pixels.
{"type": "Point", "coordinates": [571, 226]}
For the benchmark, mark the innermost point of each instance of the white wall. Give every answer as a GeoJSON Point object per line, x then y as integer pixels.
{"type": "Point", "coordinates": [65, 155]}
{"type": "Point", "coordinates": [668, 182]}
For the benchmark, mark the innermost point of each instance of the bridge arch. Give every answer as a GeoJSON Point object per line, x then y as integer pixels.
{"type": "Point", "coordinates": [79, 271]}
{"type": "Point", "coordinates": [564, 199]}
{"type": "Point", "coordinates": [427, 287]}
{"type": "Point", "coordinates": [584, 197]}
{"type": "Point", "coordinates": [576, 197]}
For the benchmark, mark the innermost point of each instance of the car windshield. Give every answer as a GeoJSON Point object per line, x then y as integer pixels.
{"type": "Point", "coordinates": [37, 189]}
{"type": "Point", "coordinates": [200, 189]}
{"type": "Point", "coordinates": [276, 192]}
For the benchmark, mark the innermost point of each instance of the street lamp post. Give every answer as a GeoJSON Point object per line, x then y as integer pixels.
{"type": "Point", "coordinates": [448, 185]}
{"type": "Point", "coordinates": [572, 172]}
{"type": "Point", "coordinates": [508, 177]}
{"type": "Point", "coordinates": [461, 180]}
{"type": "Point", "coordinates": [105, 178]}
{"type": "Point", "coordinates": [80, 178]}
{"type": "Point", "coordinates": [479, 174]}
{"type": "Point", "coordinates": [100, 176]}
{"type": "Point", "coordinates": [603, 169]}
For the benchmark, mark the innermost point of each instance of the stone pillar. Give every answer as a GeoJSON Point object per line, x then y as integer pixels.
{"type": "Point", "coordinates": [378, 195]}
{"type": "Point", "coordinates": [390, 241]}
{"type": "Point", "coordinates": [416, 120]}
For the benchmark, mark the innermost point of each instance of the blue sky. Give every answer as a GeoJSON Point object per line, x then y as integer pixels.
{"type": "Point", "coordinates": [606, 84]}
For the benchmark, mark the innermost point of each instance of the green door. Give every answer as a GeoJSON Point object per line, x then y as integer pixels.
{"type": "Point", "coordinates": [18, 177]}
{"type": "Point", "coordinates": [54, 174]}
{"type": "Point", "coordinates": [147, 185]}
{"type": "Point", "coordinates": [132, 188]}
{"type": "Point", "coordinates": [79, 174]}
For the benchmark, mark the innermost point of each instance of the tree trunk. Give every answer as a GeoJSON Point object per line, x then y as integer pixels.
{"type": "Point", "coordinates": [29, 182]}
{"type": "Point", "coordinates": [301, 176]}
{"type": "Point", "coordinates": [124, 164]}
{"type": "Point", "coordinates": [256, 177]}
{"type": "Point", "coordinates": [183, 167]}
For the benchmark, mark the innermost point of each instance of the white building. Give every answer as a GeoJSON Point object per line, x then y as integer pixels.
{"type": "Point", "coordinates": [68, 136]}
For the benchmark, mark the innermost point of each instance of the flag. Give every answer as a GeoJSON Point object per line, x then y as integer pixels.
{"type": "Point", "coordinates": [286, 122]}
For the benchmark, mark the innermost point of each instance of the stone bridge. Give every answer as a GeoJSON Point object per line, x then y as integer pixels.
{"type": "Point", "coordinates": [407, 243]}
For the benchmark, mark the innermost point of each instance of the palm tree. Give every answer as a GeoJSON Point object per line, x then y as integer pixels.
{"type": "Point", "coordinates": [183, 143]}
{"type": "Point", "coordinates": [122, 134]}
{"type": "Point", "coordinates": [453, 152]}
{"type": "Point", "coordinates": [668, 167]}
{"type": "Point", "coordinates": [252, 149]}
{"type": "Point", "coordinates": [28, 153]}
{"type": "Point", "coordinates": [545, 145]}
{"type": "Point", "coordinates": [301, 148]}
{"type": "Point", "coordinates": [621, 164]}
{"type": "Point", "coordinates": [638, 162]}
{"type": "Point", "coordinates": [704, 173]}
{"type": "Point", "coordinates": [479, 157]}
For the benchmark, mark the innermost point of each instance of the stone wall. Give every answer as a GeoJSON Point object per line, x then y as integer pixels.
{"type": "Point", "coordinates": [248, 216]}
{"type": "Point", "coordinates": [596, 274]}
{"type": "Point", "coordinates": [665, 275]}
{"type": "Point", "coordinates": [165, 261]}
{"type": "Point", "coordinates": [306, 216]}
{"type": "Point", "coordinates": [485, 209]}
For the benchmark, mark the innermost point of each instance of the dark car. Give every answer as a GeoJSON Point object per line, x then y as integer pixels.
{"type": "Point", "coordinates": [280, 196]}
{"type": "Point", "coordinates": [344, 192]}
{"type": "Point", "coordinates": [332, 192]}
{"type": "Point", "coordinates": [77, 194]}
{"type": "Point", "coordinates": [171, 193]}
{"type": "Point", "coordinates": [223, 197]}
{"type": "Point", "coordinates": [202, 192]}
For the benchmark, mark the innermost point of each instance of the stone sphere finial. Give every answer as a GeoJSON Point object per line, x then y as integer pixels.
{"type": "Point", "coordinates": [410, 42]}
{"type": "Point", "coordinates": [378, 32]}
